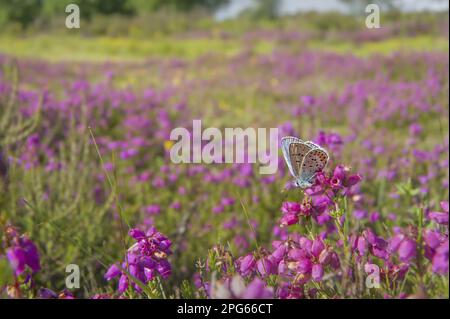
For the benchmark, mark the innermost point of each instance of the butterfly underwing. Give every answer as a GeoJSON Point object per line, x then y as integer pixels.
{"type": "Point", "coordinates": [304, 159]}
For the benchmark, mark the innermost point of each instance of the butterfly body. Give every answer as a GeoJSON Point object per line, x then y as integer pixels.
{"type": "Point", "coordinates": [302, 184]}
{"type": "Point", "coordinates": [304, 160]}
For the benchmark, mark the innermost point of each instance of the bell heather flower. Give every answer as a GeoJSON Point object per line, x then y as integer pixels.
{"type": "Point", "coordinates": [440, 259]}
{"type": "Point", "coordinates": [332, 141]}
{"type": "Point", "coordinates": [175, 205]}
{"type": "Point", "coordinates": [415, 129]}
{"type": "Point", "coordinates": [432, 239]}
{"type": "Point", "coordinates": [341, 178]}
{"type": "Point", "coordinates": [404, 246]}
{"type": "Point", "coordinates": [218, 209]}
{"type": "Point", "coordinates": [146, 259]}
{"type": "Point", "coordinates": [394, 272]}
{"type": "Point", "coordinates": [317, 272]}
{"type": "Point", "coordinates": [46, 293]}
{"type": "Point", "coordinates": [153, 209]}
{"type": "Point", "coordinates": [377, 246]}
{"type": "Point", "coordinates": [257, 289]}
{"type": "Point", "coordinates": [246, 264]}
{"type": "Point", "coordinates": [235, 288]}
{"type": "Point", "coordinates": [266, 266]}
{"type": "Point", "coordinates": [22, 253]}
{"type": "Point", "coordinates": [290, 211]}
{"type": "Point", "coordinates": [227, 201]}
{"type": "Point", "coordinates": [436, 250]}
{"type": "Point", "coordinates": [440, 217]}
{"type": "Point", "coordinates": [407, 250]}
{"type": "Point", "coordinates": [359, 214]}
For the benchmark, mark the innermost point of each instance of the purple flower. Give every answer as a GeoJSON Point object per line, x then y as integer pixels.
{"type": "Point", "coordinates": [304, 266]}
{"type": "Point", "coordinates": [395, 242]}
{"type": "Point", "coordinates": [234, 288]}
{"type": "Point", "coordinates": [317, 247]}
{"type": "Point", "coordinates": [45, 293]}
{"type": "Point", "coordinates": [227, 201]}
{"type": "Point", "coordinates": [247, 264]}
{"type": "Point", "coordinates": [279, 253]}
{"type": "Point", "coordinates": [325, 257]}
{"type": "Point", "coordinates": [288, 219]}
{"type": "Point", "coordinates": [218, 209]}
{"type": "Point", "coordinates": [377, 245]}
{"type": "Point", "coordinates": [415, 129]}
{"type": "Point", "coordinates": [361, 245]}
{"type": "Point", "coordinates": [407, 250]}
{"type": "Point", "coordinates": [444, 206]}
{"type": "Point", "coordinates": [432, 238]}
{"type": "Point", "coordinates": [257, 289]}
{"type": "Point", "coordinates": [374, 217]}
{"type": "Point", "coordinates": [359, 214]}
{"type": "Point", "coordinates": [440, 217]}
{"type": "Point", "coordinates": [266, 266]}
{"type": "Point", "coordinates": [340, 180]}
{"type": "Point", "coordinates": [317, 272]}
{"type": "Point", "coordinates": [101, 296]}
{"type": "Point", "coordinates": [136, 234]}
{"type": "Point", "coordinates": [22, 254]}
{"type": "Point", "coordinates": [158, 182]}
{"type": "Point", "coordinates": [338, 176]}
{"type": "Point", "coordinates": [123, 284]}
{"type": "Point", "coordinates": [153, 209]}
{"type": "Point", "coordinates": [331, 140]}
{"type": "Point", "coordinates": [307, 100]}
{"type": "Point", "coordinates": [112, 272]}
{"type": "Point", "coordinates": [353, 180]}
{"type": "Point", "coordinates": [290, 207]}
{"type": "Point", "coordinates": [440, 259]}
{"type": "Point", "coordinates": [175, 205]}
{"type": "Point", "coordinates": [129, 153]}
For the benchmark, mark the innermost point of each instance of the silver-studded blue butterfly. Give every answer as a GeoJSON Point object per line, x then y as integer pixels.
{"type": "Point", "coordinates": [304, 160]}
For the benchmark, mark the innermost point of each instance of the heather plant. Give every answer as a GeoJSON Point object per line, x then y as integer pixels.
{"type": "Point", "coordinates": [86, 176]}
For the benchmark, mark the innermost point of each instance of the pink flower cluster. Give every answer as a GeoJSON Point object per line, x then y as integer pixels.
{"type": "Point", "coordinates": [22, 253]}
{"type": "Point", "coordinates": [145, 260]}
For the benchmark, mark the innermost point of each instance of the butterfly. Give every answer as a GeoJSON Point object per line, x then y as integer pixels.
{"type": "Point", "coordinates": [304, 159]}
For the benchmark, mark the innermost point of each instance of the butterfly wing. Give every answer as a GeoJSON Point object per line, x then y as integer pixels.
{"type": "Point", "coordinates": [315, 161]}
{"type": "Point", "coordinates": [294, 150]}
{"type": "Point", "coordinates": [313, 145]}
{"type": "Point", "coordinates": [285, 142]}
{"type": "Point", "coordinates": [297, 152]}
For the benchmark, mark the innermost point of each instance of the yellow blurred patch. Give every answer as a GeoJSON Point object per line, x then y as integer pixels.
{"type": "Point", "coordinates": [168, 144]}
{"type": "Point", "coordinates": [274, 82]}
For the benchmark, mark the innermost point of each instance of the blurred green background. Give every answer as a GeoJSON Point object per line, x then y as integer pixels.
{"type": "Point", "coordinates": [138, 29]}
